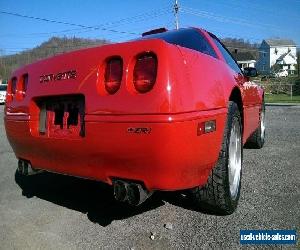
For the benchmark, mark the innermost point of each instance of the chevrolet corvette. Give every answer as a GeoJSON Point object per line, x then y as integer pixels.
{"type": "Point", "coordinates": [168, 111]}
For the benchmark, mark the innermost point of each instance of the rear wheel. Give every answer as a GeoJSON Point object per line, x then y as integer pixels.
{"type": "Point", "coordinates": [221, 193]}
{"type": "Point", "coordinates": [257, 139]}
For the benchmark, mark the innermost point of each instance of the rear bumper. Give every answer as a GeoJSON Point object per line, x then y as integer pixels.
{"type": "Point", "coordinates": [170, 157]}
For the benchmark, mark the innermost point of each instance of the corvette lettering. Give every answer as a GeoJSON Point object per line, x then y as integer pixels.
{"type": "Point", "coordinates": [139, 130]}
{"type": "Point", "coordinates": [71, 74]}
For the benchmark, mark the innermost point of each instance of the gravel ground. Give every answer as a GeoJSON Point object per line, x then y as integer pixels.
{"type": "Point", "coordinates": [61, 212]}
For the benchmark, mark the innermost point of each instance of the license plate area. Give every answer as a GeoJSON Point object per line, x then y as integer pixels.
{"type": "Point", "coordinates": [62, 116]}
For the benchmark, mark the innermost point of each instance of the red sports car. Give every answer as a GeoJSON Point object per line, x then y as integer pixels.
{"type": "Point", "coordinates": [171, 110]}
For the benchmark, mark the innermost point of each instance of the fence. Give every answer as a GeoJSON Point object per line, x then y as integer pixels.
{"type": "Point", "coordinates": [282, 86]}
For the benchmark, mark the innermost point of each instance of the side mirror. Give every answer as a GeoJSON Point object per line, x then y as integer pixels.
{"type": "Point", "coordinates": [250, 72]}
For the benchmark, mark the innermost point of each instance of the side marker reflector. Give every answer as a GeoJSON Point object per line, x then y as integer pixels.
{"type": "Point", "coordinates": [206, 127]}
{"type": "Point", "coordinates": [210, 126]}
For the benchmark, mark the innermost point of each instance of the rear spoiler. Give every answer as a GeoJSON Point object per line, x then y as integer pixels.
{"type": "Point", "coordinates": [155, 31]}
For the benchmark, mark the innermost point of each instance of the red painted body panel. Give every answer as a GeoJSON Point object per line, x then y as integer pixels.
{"type": "Point", "coordinates": [190, 88]}
{"type": "Point", "coordinates": [171, 157]}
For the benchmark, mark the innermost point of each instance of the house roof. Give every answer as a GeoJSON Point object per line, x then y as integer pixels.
{"type": "Point", "coordinates": [243, 56]}
{"type": "Point", "coordinates": [280, 42]}
{"type": "Point", "coordinates": [286, 58]}
{"type": "Point", "coordinates": [284, 55]}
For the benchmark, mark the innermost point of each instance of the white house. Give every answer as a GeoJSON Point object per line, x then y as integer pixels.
{"type": "Point", "coordinates": [244, 59]}
{"type": "Point", "coordinates": [279, 52]}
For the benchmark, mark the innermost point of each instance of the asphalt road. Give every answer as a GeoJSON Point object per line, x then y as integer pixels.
{"type": "Point", "coordinates": [61, 212]}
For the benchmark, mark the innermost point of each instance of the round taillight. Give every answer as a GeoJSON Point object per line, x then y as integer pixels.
{"type": "Point", "coordinates": [113, 75]}
{"type": "Point", "coordinates": [11, 89]}
{"type": "Point", "coordinates": [24, 83]}
{"type": "Point", "coordinates": [144, 73]}
{"type": "Point", "coordinates": [23, 86]}
{"type": "Point", "coordinates": [14, 85]}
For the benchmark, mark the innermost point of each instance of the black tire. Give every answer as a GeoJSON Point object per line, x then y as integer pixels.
{"type": "Point", "coordinates": [257, 139]}
{"type": "Point", "coordinates": [215, 197]}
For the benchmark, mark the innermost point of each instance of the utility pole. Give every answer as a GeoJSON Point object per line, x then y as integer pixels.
{"type": "Point", "coordinates": [176, 9]}
{"type": "Point", "coordinates": [298, 63]}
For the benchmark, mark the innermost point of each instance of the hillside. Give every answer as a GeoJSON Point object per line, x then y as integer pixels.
{"type": "Point", "coordinates": [57, 45]}
{"type": "Point", "coordinates": [235, 45]}
{"type": "Point", "coordinates": [53, 46]}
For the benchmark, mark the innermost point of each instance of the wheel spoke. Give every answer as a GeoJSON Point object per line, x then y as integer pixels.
{"type": "Point", "coordinates": [262, 123]}
{"type": "Point", "coordinates": [234, 161]}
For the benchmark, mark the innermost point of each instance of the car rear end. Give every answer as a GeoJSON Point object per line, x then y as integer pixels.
{"type": "Point", "coordinates": [107, 114]}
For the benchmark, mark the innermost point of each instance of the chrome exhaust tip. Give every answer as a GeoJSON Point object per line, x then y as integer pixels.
{"type": "Point", "coordinates": [133, 193]}
{"type": "Point", "coordinates": [120, 191]}
{"type": "Point", "coordinates": [20, 166]}
{"type": "Point", "coordinates": [137, 194]}
{"type": "Point", "coordinates": [25, 168]}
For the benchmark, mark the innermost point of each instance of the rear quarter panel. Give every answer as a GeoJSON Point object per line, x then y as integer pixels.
{"type": "Point", "coordinates": [206, 83]}
{"type": "Point", "coordinates": [199, 82]}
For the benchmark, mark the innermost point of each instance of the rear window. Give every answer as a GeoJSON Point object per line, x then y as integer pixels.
{"type": "Point", "coordinates": [226, 54]}
{"type": "Point", "coordinates": [3, 87]}
{"type": "Point", "coordinates": [188, 38]}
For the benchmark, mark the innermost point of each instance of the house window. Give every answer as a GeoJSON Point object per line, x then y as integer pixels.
{"type": "Point", "coordinates": [263, 67]}
{"type": "Point", "coordinates": [276, 51]}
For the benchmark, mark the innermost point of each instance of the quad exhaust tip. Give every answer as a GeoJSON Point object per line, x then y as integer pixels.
{"type": "Point", "coordinates": [133, 193]}
{"type": "Point", "coordinates": [25, 168]}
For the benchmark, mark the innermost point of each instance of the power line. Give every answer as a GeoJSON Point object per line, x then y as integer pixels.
{"type": "Point", "coordinates": [269, 11]}
{"type": "Point", "coordinates": [124, 21]}
{"type": "Point", "coordinates": [65, 23]}
{"type": "Point", "coordinates": [145, 17]}
{"type": "Point", "coordinates": [220, 18]}
{"type": "Point", "coordinates": [43, 33]}
{"type": "Point", "coordinates": [140, 17]}
{"type": "Point", "coordinates": [84, 28]}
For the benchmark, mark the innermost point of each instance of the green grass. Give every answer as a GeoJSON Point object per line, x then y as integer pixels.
{"type": "Point", "coordinates": [281, 98]}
